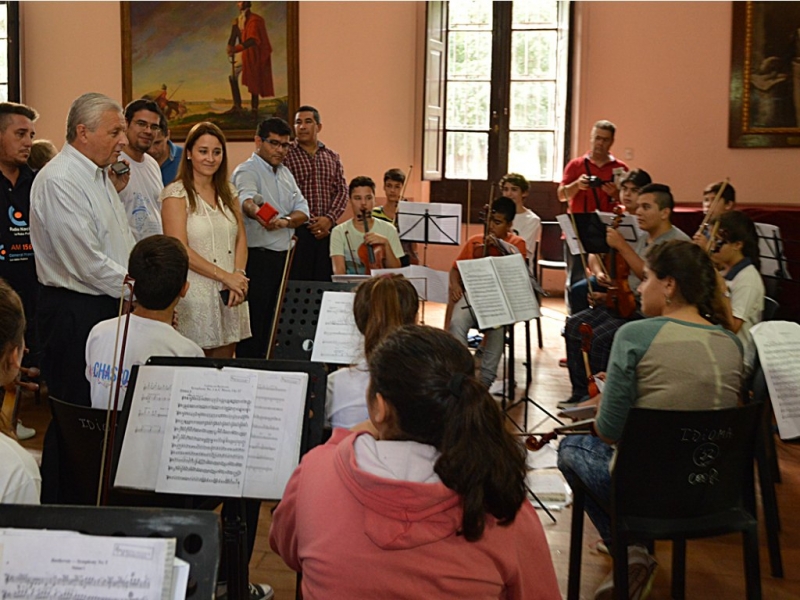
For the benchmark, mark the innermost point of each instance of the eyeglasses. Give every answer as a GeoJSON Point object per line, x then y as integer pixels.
{"type": "Point", "coordinates": [154, 127]}
{"type": "Point", "coordinates": [276, 144]}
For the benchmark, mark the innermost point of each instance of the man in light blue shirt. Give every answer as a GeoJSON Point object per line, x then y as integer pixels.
{"type": "Point", "coordinates": [263, 179]}
{"type": "Point", "coordinates": [167, 154]}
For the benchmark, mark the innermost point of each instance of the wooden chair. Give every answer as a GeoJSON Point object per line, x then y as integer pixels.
{"type": "Point", "coordinates": [678, 475]}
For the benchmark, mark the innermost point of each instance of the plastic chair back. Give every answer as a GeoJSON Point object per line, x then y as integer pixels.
{"type": "Point", "coordinates": [197, 532]}
{"type": "Point", "coordinates": [684, 464]}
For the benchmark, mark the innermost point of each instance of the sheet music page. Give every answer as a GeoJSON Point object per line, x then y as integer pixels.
{"type": "Point", "coordinates": [208, 432]}
{"type": "Point", "coordinates": [484, 293]}
{"type": "Point", "coordinates": [431, 285]}
{"type": "Point", "coordinates": [147, 422]}
{"type": "Point", "coordinates": [40, 564]}
{"type": "Point", "coordinates": [512, 271]}
{"type": "Point", "coordinates": [569, 234]}
{"type": "Point", "coordinates": [778, 344]}
{"type": "Point", "coordinates": [337, 340]}
{"type": "Point", "coordinates": [277, 432]}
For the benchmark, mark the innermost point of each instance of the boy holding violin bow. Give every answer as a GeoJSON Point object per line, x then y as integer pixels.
{"type": "Point", "coordinates": [497, 240]}
{"type": "Point", "coordinates": [363, 243]}
{"type": "Point", "coordinates": [653, 213]}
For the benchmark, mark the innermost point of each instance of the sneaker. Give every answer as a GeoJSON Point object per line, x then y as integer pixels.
{"type": "Point", "coordinates": [474, 341]}
{"type": "Point", "coordinates": [24, 433]}
{"type": "Point", "coordinates": [257, 591]}
{"type": "Point", "coordinates": [562, 362]}
{"type": "Point", "coordinates": [572, 401]}
{"type": "Point", "coordinates": [496, 389]}
{"type": "Point", "coordinates": [641, 573]}
{"type": "Point", "coordinates": [261, 591]}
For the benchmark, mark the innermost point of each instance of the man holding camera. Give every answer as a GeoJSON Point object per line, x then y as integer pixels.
{"type": "Point", "coordinates": [589, 182]}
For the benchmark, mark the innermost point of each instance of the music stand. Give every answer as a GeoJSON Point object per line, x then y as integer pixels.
{"type": "Point", "coordinates": [235, 530]}
{"type": "Point", "coordinates": [429, 223]}
{"type": "Point", "coordinates": [298, 315]}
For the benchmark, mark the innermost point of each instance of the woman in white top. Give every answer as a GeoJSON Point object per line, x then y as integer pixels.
{"type": "Point", "coordinates": [201, 209]}
{"type": "Point", "coordinates": [382, 304]}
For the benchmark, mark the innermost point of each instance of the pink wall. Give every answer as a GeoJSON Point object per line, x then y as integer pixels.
{"type": "Point", "coordinates": [660, 71]}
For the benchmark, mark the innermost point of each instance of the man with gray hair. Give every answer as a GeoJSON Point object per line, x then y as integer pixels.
{"type": "Point", "coordinates": [81, 239]}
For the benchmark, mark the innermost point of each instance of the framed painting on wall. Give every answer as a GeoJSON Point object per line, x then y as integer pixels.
{"type": "Point", "coordinates": [232, 63]}
{"type": "Point", "coordinates": [765, 75]}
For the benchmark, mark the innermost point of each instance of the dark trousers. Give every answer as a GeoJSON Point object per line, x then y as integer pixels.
{"type": "Point", "coordinates": [265, 269]}
{"type": "Point", "coordinates": [312, 257]}
{"type": "Point", "coordinates": [65, 319]}
{"type": "Point", "coordinates": [23, 281]}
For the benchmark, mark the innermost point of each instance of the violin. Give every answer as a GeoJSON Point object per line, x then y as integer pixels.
{"type": "Point", "coordinates": [705, 225]}
{"type": "Point", "coordinates": [536, 441]}
{"type": "Point", "coordinates": [370, 257]}
{"type": "Point", "coordinates": [491, 246]}
{"type": "Point", "coordinates": [586, 347]}
{"type": "Point", "coordinates": [619, 296]}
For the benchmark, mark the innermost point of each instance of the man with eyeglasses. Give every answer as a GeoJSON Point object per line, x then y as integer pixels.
{"type": "Point", "coordinates": [140, 196]}
{"type": "Point", "coordinates": [264, 180]}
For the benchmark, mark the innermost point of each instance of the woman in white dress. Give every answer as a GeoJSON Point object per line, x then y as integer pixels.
{"type": "Point", "coordinates": [200, 208]}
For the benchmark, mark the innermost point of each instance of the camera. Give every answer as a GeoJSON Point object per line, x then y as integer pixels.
{"type": "Point", "coordinates": [596, 182]}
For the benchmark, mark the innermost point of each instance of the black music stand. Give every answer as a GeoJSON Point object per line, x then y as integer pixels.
{"type": "Point", "coordinates": [432, 232]}
{"type": "Point", "coordinates": [235, 530]}
{"type": "Point", "coordinates": [298, 316]}
{"type": "Point", "coordinates": [196, 532]}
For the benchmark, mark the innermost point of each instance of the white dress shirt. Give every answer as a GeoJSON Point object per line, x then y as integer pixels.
{"type": "Point", "coordinates": [79, 228]}
{"type": "Point", "coordinates": [278, 187]}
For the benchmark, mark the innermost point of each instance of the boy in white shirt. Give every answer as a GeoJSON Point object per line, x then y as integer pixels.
{"type": "Point", "coordinates": [527, 223]}
{"type": "Point", "coordinates": [158, 264]}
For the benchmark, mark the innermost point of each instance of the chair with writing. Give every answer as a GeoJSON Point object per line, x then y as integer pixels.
{"type": "Point", "coordinates": [678, 475]}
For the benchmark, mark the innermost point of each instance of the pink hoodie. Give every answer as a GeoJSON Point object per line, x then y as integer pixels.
{"type": "Point", "coordinates": [355, 535]}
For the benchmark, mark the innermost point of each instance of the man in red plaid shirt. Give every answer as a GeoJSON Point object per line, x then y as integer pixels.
{"type": "Point", "coordinates": [320, 176]}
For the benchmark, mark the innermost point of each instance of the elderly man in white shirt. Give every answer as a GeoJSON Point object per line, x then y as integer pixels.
{"type": "Point", "coordinates": [82, 240]}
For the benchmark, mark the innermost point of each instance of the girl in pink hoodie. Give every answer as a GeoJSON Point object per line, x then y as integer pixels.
{"type": "Point", "coordinates": [432, 506]}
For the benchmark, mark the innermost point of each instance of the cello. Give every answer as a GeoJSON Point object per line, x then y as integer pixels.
{"type": "Point", "coordinates": [619, 296]}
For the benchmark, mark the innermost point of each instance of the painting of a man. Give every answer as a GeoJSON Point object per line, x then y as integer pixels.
{"type": "Point", "coordinates": [249, 39]}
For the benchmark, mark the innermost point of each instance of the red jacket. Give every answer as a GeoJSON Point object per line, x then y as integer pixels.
{"type": "Point", "coordinates": [357, 535]}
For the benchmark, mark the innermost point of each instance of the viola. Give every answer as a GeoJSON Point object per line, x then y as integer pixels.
{"type": "Point", "coordinates": [370, 257]}
{"type": "Point", "coordinates": [586, 347]}
{"type": "Point", "coordinates": [537, 441]}
{"type": "Point", "coordinates": [619, 296]}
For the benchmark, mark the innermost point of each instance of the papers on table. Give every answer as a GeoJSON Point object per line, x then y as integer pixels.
{"type": "Point", "coordinates": [778, 344]}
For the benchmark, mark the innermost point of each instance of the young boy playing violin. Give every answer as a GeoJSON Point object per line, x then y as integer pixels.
{"type": "Point", "coordinates": [363, 243]}
{"type": "Point", "coordinates": [498, 241]}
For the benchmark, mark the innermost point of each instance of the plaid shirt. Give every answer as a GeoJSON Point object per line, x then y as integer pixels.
{"type": "Point", "coordinates": [321, 180]}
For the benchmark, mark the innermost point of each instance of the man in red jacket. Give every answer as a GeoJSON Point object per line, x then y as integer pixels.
{"type": "Point", "coordinates": [249, 37]}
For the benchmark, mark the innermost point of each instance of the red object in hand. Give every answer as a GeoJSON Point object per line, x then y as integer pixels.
{"type": "Point", "coordinates": [266, 212]}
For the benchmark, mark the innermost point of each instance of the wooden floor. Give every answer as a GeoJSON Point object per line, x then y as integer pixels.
{"type": "Point", "coordinates": [714, 567]}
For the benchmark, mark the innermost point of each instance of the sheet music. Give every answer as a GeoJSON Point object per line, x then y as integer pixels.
{"type": "Point", "coordinates": [569, 234]}
{"type": "Point", "coordinates": [146, 425]}
{"type": "Point", "coordinates": [770, 249]}
{"type": "Point", "coordinates": [516, 283]}
{"type": "Point", "coordinates": [628, 226]}
{"type": "Point", "coordinates": [778, 344]}
{"type": "Point", "coordinates": [444, 222]}
{"type": "Point", "coordinates": [274, 451]}
{"type": "Point", "coordinates": [431, 285]}
{"type": "Point", "coordinates": [208, 432]}
{"type": "Point", "coordinates": [41, 565]}
{"type": "Point", "coordinates": [484, 293]}
{"type": "Point", "coordinates": [337, 339]}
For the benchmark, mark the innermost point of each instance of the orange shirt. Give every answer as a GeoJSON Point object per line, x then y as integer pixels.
{"type": "Point", "coordinates": [468, 249]}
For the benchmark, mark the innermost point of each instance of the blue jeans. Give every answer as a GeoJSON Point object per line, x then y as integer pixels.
{"type": "Point", "coordinates": [588, 458]}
